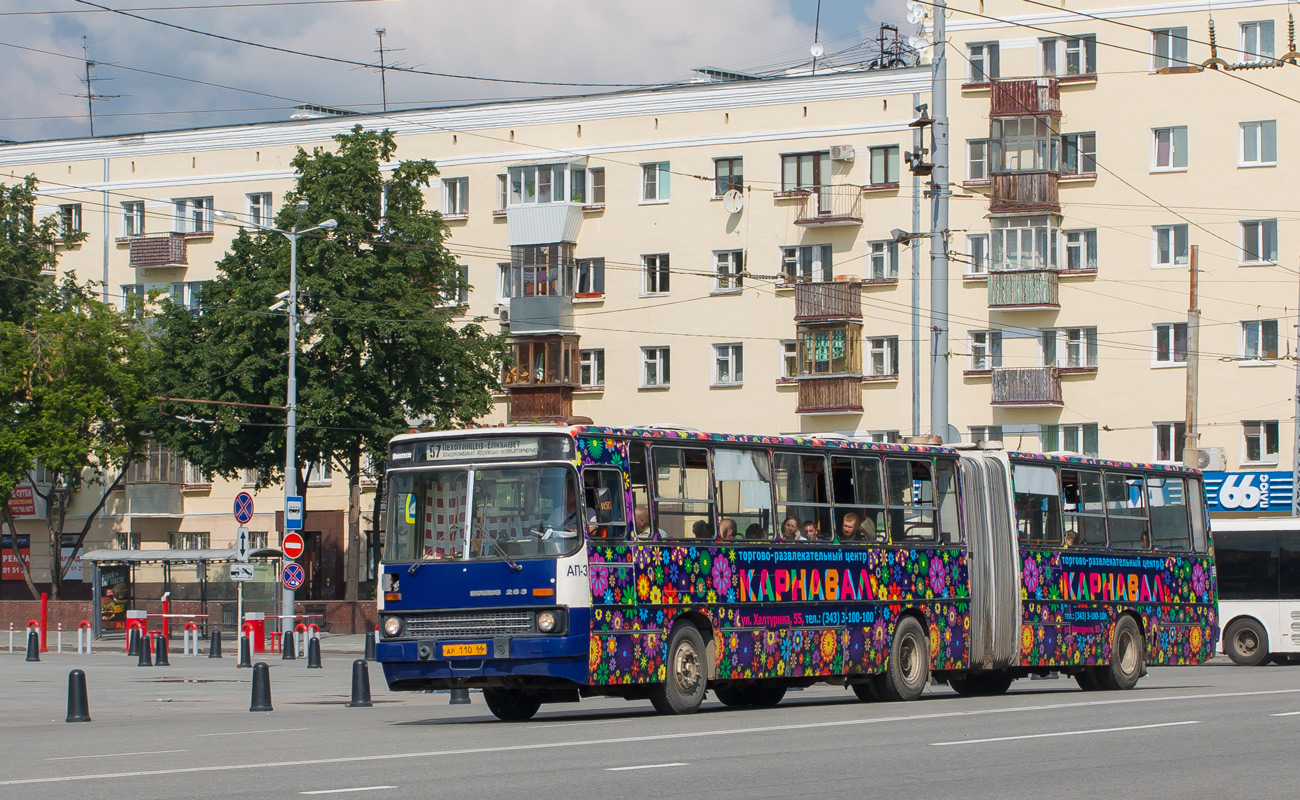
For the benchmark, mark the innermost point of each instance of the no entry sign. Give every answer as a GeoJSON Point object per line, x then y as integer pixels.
{"type": "Point", "coordinates": [292, 545]}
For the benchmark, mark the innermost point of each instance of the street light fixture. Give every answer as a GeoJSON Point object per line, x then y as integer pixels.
{"type": "Point", "coordinates": [291, 402]}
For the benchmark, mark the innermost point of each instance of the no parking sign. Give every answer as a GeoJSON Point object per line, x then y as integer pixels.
{"type": "Point", "coordinates": [293, 576]}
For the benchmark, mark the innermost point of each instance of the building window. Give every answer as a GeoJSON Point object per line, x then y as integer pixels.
{"type": "Point", "coordinates": [1081, 439]}
{"type": "Point", "coordinates": [1081, 250]}
{"type": "Point", "coordinates": [884, 165]}
{"type": "Point", "coordinates": [727, 268]}
{"type": "Point", "coordinates": [193, 214]}
{"type": "Point", "coordinates": [830, 350]}
{"type": "Point", "coordinates": [1024, 243]}
{"type": "Point", "coordinates": [655, 271]}
{"type": "Point", "coordinates": [807, 263]}
{"type": "Point", "coordinates": [1259, 143]}
{"type": "Point", "coordinates": [1170, 438]}
{"type": "Point", "coordinates": [1169, 148]}
{"type": "Point", "coordinates": [1024, 144]}
{"type": "Point", "coordinates": [1070, 55]}
{"type": "Point", "coordinates": [591, 277]}
{"type": "Point", "coordinates": [789, 359]}
{"type": "Point", "coordinates": [1168, 48]}
{"type": "Point", "coordinates": [543, 270]}
{"type": "Point", "coordinates": [578, 185]}
{"type": "Point", "coordinates": [69, 219]}
{"type": "Point", "coordinates": [1079, 154]}
{"type": "Point", "coordinates": [654, 182]}
{"type": "Point", "coordinates": [881, 437]}
{"type": "Point", "coordinates": [1259, 339]}
{"type": "Point", "coordinates": [188, 296]}
{"type": "Point", "coordinates": [882, 356]}
{"type": "Point", "coordinates": [977, 251]}
{"type": "Point", "coordinates": [177, 540]}
{"type": "Point", "coordinates": [456, 296]}
{"type": "Point", "coordinates": [1261, 442]}
{"type": "Point", "coordinates": [728, 364]}
{"type": "Point", "coordinates": [654, 367]}
{"type": "Point", "coordinates": [133, 299]}
{"type": "Point", "coordinates": [1170, 343]}
{"type": "Point", "coordinates": [503, 192]}
{"type": "Point", "coordinates": [259, 209]}
{"type": "Point", "coordinates": [596, 183]}
{"type": "Point", "coordinates": [543, 183]}
{"type": "Point", "coordinates": [455, 196]}
{"type": "Point", "coordinates": [591, 368]}
{"type": "Point", "coordinates": [985, 350]}
{"type": "Point", "coordinates": [985, 433]}
{"type": "Point", "coordinates": [319, 471]}
{"type": "Point", "coordinates": [983, 58]}
{"type": "Point", "coordinates": [977, 159]}
{"type": "Point", "coordinates": [804, 171]}
{"type": "Point", "coordinates": [1259, 241]}
{"type": "Point", "coordinates": [128, 541]}
{"type": "Point", "coordinates": [1169, 246]}
{"type": "Point", "coordinates": [133, 218]}
{"type": "Point", "coordinates": [1069, 348]}
{"type": "Point", "coordinates": [249, 477]}
{"type": "Point", "coordinates": [883, 260]}
{"type": "Point", "coordinates": [503, 283]}
{"type": "Point", "coordinates": [1256, 40]}
{"type": "Point", "coordinates": [195, 475]}
{"type": "Point", "coordinates": [728, 174]}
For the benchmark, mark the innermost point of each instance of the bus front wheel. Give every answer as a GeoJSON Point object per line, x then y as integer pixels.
{"type": "Point", "coordinates": [909, 663]}
{"type": "Point", "coordinates": [1246, 642]}
{"type": "Point", "coordinates": [509, 706]}
{"type": "Point", "coordinates": [682, 689]}
{"type": "Point", "coordinates": [1126, 656]}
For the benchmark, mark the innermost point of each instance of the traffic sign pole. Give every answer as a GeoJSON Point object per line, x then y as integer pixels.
{"type": "Point", "coordinates": [243, 515]}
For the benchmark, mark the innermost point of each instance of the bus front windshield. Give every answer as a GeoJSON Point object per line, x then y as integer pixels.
{"type": "Point", "coordinates": [513, 512]}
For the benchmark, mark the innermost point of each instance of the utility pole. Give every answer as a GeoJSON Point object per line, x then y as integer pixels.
{"type": "Point", "coordinates": [939, 199]}
{"type": "Point", "coordinates": [917, 143]}
{"type": "Point", "coordinates": [1191, 444]}
{"type": "Point", "coordinates": [1295, 451]}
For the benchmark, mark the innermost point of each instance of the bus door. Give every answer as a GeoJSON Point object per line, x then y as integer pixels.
{"type": "Point", "coordinates": [992, 562]}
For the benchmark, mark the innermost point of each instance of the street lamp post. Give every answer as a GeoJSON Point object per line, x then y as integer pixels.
{"type": "Point", "coordinates": [291, 401]}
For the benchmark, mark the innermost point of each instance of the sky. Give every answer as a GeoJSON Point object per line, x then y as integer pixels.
{"type": "Point", "coordinates": [539, 41]}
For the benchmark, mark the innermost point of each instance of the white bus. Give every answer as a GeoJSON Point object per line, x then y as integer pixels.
{"type": "Point", "coordinates": [1259, 589]}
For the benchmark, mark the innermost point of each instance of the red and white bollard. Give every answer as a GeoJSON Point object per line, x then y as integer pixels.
{"type": "Point", "coordinates": [59, 640]}
{"type": "Point", "coordinates": [191, 630]}
{"type": "Point", "coordinates": [11, 637]}
{"type": "Point", "coordinates": [83, 632]}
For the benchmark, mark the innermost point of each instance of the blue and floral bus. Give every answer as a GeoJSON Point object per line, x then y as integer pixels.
{"type": "Point", "coordinates": [546, 564]}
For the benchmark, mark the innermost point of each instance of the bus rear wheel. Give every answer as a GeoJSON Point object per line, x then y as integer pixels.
{"type": "Point", "coordinates": [1126, 656]}
{"type": "Point", "coordinates": [909, 663]}
{"type": "Point", "coordinates": [509, 706]}
{"type": "Point", "coordinates": [985, 684]}
{"type": "Point", "coordinates": [684, 684]}
{"type": "Point", "coordinates": [731, 697]}
{"type": "Point", "coordinates": [1246, 642]}
{"type": "Point", "coordinates": [1087, 680]}
{"type": "Point", "coordinates": [761, 696]}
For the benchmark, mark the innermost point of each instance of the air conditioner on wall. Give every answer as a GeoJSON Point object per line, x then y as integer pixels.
{"type": "Point", "coordinates": [503, 315]}
{"type": "Point", "coordinates": [1212, 459]}
{"type": "Point", "coordinates": [842, 152]}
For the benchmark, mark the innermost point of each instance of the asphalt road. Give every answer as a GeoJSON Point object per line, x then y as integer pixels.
{"type": "Point", "coordinates": [185, 731]}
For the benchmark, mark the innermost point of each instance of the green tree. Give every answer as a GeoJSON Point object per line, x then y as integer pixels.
{"type": "Point", "coordinates": [381, 348]}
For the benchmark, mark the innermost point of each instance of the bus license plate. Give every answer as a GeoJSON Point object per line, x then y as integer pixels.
{"type": "Point", "coordinates": [463, 650]}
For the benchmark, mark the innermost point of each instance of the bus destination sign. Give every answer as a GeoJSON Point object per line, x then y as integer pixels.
{"type": "Point", "coordinates": [472, 449]}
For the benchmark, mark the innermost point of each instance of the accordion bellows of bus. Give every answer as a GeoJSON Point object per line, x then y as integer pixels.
{"type": "Point", "coordinates": [545, 564]}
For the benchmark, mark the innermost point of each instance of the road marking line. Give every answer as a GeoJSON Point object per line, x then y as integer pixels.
{"type": "Point", "coordinates": [584, 722]}
{"type": "Point", "coordinates": [246, 733]}
{"type": "Point", "coordinates": [1287, 714]}
{"type": "Point", "coordinates": [647, 766]}
{"type": "Point", "coordinates": [1064, 733]}
{"type": "Point", "coordinates": [115, 755]}
{"type": "Point", "coordinates": [343, 791]}
{"type": "Point", "coordinates": [312, 762]}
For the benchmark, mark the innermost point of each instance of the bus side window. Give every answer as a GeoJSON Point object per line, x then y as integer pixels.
{"type": "Point", "coordinates": [603, 491]}
{"type": "Point", "coordinates": [1084, 511]}
{"type": "Point", "coordinates": [803, 496]}
{"type": "Point", "coordinates": [683, 492]}
{"type": "Point", "coordinates": [1126, 514]}
{"type": "Point", "coordinates": [638, 471]}
{"type": "Point", "coordinates": [1197, 508]}
{"type": "Point", "coordinates": [949, 516]}
{"type": "Point", "coordinates": [911, 500]}
{"type": "Point", "coordinates": [859, 491]}
{"type": "Point", "coordinates": [1167, 501]}
{"type": "Point", "coordinates": [1038, 505]}
{"type": "Point", "coordinates": [743, 490]}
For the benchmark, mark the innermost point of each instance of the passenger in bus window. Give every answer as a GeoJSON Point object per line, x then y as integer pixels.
{"type": "Point", "coordinates": [641, 517]}
{"type": "Point", "coordinates": [726, 528]}
{"type": "Point", "coordinates": [810, 532]}
{"type": "Point", "coordinates": [790, 529]}
{"type": "Point", "coordinates": [1071, 538]}
{"type": "Point", "coordinates": [754, 532]}
{"type": "Point", "coordinates": [700, 530]}
{"type": "Point", "coordinates": [850, 528]}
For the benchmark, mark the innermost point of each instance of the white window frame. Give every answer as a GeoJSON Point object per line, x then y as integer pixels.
{"type": "Point", "coordinates": [882, 260]}
{"type": "Point", "coordinates": [977, 253]}
{"type": "Point", "coordinates": [1084, 145]}
{"type": "Point", "coordinates": [133, 220]}
{"type": "Point", "coordinates": [1167, 435]}
{"type": "Point", "coordinates": [455, 197]}
{"type": "Point", "coordinates": [727, 268]}
{"type": "Point", "coordinates": [503, 192]}
{"type": "Point", "coordinates": [188, 294]}
{"type": "Point", "coordinates": [879, 437]}
{"type": "Point", "coordinates": [789, 365]}
{"type": "Point", "coordinates": [886, 347]}
{"type": "Point", "coordinates": [595, 181]}
{"type": "Point", "coordinates": [655, 275]}
{"type": "Point", "coordinates": [1070, 438]}
{"type": "Point", "coordinates": [983, 59]}
{"type": "Point", "coordinates": [978, 163]}
{"type": "Point", "coordinates": [69, 215]}
{"type": "Point", "coordinates": [1167, 332]}
{"type": "Point", "coordinates": [1256, 40]}
{"type": "Point", "coordinates": [660, 359]}
{"type": "Point", "coordinates": [1084, 241]}
{"type": "Point", "coordinates": [503, 283]}
{"type": "Point", "coordinates": [1170, 233]}
{"type": "Point", "coordinates": [1170, 132]}
{"type": "Point", "coordinates": [1260, 430]}
{"type": "Point", "coordinates": [798, 263]}
{"type": "Point", "coordinates": [1265, 233]}
{"type": "Point", "coordinates": [985, 433]}
{"type": "Point", "coordinates": [728, 364]}
{"type": "Point", "coordinates": [1076, 348]}
{"type": "Point", "coordinates": [1035, 239]}
{"type": "Point", "coordinates": [1260, 333]}
{"type": "Point", "coordinates": [591, 364]}
{"type": "Point", "coordinates": [588, 269]}
{"type": "Point", "coordinates": [732, 180]}
{"type": "Point", "coordinates": [320, 472]}
{"type": "Point", "coordinates": [260, 210]}
{"type": "Point", "coordinates": [985, 350]}
{"type": "Point", "coordinates": [1168, 47]}
{"type": "Point", "coordinates": [1055, 55]}
{"type": "Point", "coordinates": [193, 214]}
{"type": "Point", "coordinates": [1261, 135]}
{"type": "Point", "coordinates": [656, 183]}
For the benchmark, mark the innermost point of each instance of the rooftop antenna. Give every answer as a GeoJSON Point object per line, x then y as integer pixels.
{"type": "Point", "coordinates": [383, 67]}
{"type": "Point", "coordinates": [89, 83]}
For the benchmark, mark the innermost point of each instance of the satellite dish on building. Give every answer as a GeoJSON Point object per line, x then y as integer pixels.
{"type": "Point", "coordinates": [733, 201]}
{"type": "Point", "coordinates": [916, 12]}
{"type": "Point", "coordinates": [817, 50]}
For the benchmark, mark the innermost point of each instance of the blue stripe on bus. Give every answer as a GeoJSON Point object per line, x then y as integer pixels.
{"type": "Point", "coordinates": [474, 584]}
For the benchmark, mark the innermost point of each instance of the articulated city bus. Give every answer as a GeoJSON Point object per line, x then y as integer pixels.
{"type": "Point", "coordinates": [545, 564]}
{"type": "Point", "coordinates": [1259, 589]}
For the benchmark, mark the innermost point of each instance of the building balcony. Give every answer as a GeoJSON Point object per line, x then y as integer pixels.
{"type": "Point", "coordinates": [1024, 192]}
{"type": "Point", "coordinates": [541, 314]}
{"type": "Point", "coordinates": [1024, 290]}
{"type": "Point", "coordinates": [540, 403]}
{"type": "Point", "coordinates": [825, 206]}
{"type": "Point", "coordinates": [1027, 387]}
{"type": "Point", "coordinates": [157, 250]}
{"type": "Point", "coordinates": [1022, 98]}
{"type": "Point", "coordinates": [154, 499]}
{"type": "Point", "coordinates": [838, 394]}
{"type": "Point", "coordinates": [830, 300]}
{"type": "Point", "coordinates": [543, 223]}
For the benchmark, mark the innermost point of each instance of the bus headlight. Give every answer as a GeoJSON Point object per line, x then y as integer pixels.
{"type": "Point", "coordinates": [547, 621]}
{"type": "Point", "coordinates": [393, 627]}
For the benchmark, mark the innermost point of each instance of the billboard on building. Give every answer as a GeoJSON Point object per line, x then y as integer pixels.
{"type": "Point", "coordinates": [1248, 492]}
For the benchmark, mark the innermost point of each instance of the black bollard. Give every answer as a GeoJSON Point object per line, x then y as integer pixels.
{"type": "Point", "coordinates": [144, 653]}
{"type": "Point", "coordinates": [133, 640]}
{"type": "Point", "coordinates": [78, 705]}
{"type": "Point", "coordinates": [288, 650]}
{"type": "Point", "coordinates": [460, 697]}
{"type": "Point", "coordinates": [261, 687]}
{"type": "Point", "coordinates": [360, 685]}
{"type": "Point", "coordinates": [160, 657]}
{"type": "Point", "coordinates": [245, 652]}
{"type": "Point", "coordinates": [313, 653]}
{"type": "Point", "coordinates": [33, 645]}
{"type": "Point", "coordinates": [370, 645]}
{"type": "Point", "coordinates": [214, 646]}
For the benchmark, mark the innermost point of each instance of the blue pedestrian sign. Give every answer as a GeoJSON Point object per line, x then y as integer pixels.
{"type": "Point", "coordinates": [293, 576]}
{"type": "Point", "coordinates": [243, 508]}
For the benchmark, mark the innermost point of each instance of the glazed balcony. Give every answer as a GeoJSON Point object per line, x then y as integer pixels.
{"type": "Point", "coordinates": [840, 394]}
{"type": "Point", "coordinates": [1027, 387]}
{"type": "Point", "coordinates": [1024, 290]}
{"type": "Point", "coordinates": [157, 250]}
{"type": "Point", "coordinates": [827, 300]}
{"type": "Point", "coordinates": [825, 206]}
{"type": "Point", "coordinates": [1022, 98]}
{"type": "Point", "coordinates": [1024, 192]}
